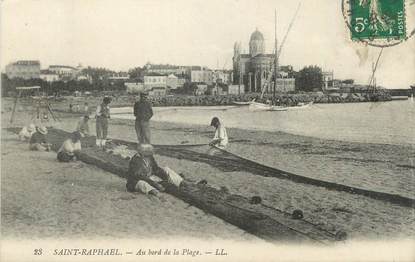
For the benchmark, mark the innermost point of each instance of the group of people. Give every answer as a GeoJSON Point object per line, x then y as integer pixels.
{"type": "Point", "coordinates": [144, 173]}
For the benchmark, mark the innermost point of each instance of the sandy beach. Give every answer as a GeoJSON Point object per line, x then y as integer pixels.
{"type": "Point", "coordinates": [83, 200]}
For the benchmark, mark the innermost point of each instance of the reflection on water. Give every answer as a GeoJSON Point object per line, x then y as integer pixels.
{"type": "Point", "coordinates": [388, 122]}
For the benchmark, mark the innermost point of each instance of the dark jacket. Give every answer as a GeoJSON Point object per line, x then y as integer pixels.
{"type": "Point", "coordinates": [38, 138]}
{"type": "Point", "coordinates": [143, 110]}
{"type": "Point", "coordinates": [142, 168]}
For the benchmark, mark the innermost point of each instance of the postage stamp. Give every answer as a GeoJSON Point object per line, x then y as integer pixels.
{"type": "Point", "coordinates": [377, 22]}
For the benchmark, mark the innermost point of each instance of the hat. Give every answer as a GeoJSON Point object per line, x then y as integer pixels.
{"type": "Point", "coordinates": [31, 128]}
{"type": "Point", "coordinates": [144, 93]}
{"type": "Point", "coordinates": [107, 100]}
{"type": "Point", "coordinates": [76, 136]}
{"type": "Point", "coordinates": [87, 116]}
{"type": "Point", "coordinates": [43, 130]}
{"type": "Point", "coordinates": [214, 121]}
{"type": "Point", "coordinates": [145, 149]}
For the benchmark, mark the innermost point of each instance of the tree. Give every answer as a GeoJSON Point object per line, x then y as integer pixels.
{"type": "Point", "coordinates": [310, 78]}
{"type": "Point", "coordinates": [136, 73]}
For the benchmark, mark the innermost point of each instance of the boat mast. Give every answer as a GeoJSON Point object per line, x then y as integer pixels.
{"type": "Point", "coordinates": [275, 55]}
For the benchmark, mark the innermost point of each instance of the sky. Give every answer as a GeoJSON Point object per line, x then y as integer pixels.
{"type": "Point", "coordinates": [123, 34]}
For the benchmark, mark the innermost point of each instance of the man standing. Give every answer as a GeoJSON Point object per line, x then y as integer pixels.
{"type": "Point", "coordinates": [102, 116]}
{"type": "Point", "coordinates": [143, 113]}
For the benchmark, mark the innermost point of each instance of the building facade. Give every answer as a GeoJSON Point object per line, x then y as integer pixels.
{"type": "Point", "coordinates": [201, 76]}
{"type": "Point", "coordinates": [26, 69]}
{"type": "Point", "coordinates": [64, 72]}
{"type": "Point", "coordinates": [48, 76]}
{"type": "Point", "coordinates": [255, 70]}
{"type": "Point", "coordinates": [155, 80]}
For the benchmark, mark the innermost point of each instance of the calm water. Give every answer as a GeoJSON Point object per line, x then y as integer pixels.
{"type": "Point", "coordinates": [388, 122]}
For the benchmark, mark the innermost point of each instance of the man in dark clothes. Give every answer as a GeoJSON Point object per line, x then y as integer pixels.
{"type": "Point", "coordinates": [143, 113]}
{"type": "Point", "coordinates": [38, 140]}
{"type": "Point", "coordinates": [143, 167]}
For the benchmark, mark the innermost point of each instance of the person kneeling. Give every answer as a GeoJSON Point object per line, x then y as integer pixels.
{"type": "Point", "coordinates": [67, 152]}
{"type": "Point", "coordinates": [38, 140]}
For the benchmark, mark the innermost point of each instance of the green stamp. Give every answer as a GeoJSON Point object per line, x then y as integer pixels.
{"type": "Point", "coordinates": [377, 19]}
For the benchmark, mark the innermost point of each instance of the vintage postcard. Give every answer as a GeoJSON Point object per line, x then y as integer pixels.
{"type": "Point", "coordinates": [191, 130]}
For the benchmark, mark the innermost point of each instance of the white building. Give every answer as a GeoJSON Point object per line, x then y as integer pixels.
{"type": "Point", "coordinates": [26, 69]}
{"type": "Point", "coordinates": [201, 76]}
{"type": "Point", "coordinates": [155, 80]}
{"type": "Point", "coordinates": [64, 72]}
{"type": "Point", "coordinates": [48, 76]}
{"type": "Point", "coordinates": [328, 81]}
{"type": "Point", "coordinates": [222, 76]}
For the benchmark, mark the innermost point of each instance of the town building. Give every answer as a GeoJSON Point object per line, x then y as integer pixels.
{"type": "Point", "coordinates": [329, 83]}
{"type": "Point", "coordinates": [254, 70]}
{"type": "Point", "coordinates": [222, 76]}
{"type": "Point", "coordinates": [155, 80]}
{"type": "Point", "coordinates": [179, 71]}
{"type": "Point", "coordinates": [64, 72]}
{"type": "Point", "coordinates": [202, 76]}
{"type": "Point", "coordinates": [48, 76]}
{"type": "Point", "coordinates": [181, 82]}
{"type": "Point", "coordinates": [201, 89]}
{"type": "Point", "coordinates": [172, 81]}
{"type": "Point", "coordinates": [26, 69]}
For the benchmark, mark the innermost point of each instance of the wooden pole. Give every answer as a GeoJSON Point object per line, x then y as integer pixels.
{"type": "Point", "coordinates": [14, 106]}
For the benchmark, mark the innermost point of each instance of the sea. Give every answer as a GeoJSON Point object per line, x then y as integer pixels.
{"type": "Point", "coordinates": [381, 122]}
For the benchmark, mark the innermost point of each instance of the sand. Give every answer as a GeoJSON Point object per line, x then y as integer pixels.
{"type": "Point", "coordinates": [43, 198]}
{"type": "Point", "coordinates": [371, 166]}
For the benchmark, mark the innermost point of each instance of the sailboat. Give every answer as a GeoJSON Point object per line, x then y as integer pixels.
{"type": "Point", "coordinates": [256, 106]}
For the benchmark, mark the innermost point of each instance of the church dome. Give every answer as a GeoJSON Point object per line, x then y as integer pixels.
{"type": "Point", "coordinates": [256, 44]}
{"type": "Point", "coordinates": [256, 35]}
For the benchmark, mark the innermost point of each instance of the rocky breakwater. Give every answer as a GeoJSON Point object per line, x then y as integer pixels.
{"type": "Point", "coordinates": [279, 99]}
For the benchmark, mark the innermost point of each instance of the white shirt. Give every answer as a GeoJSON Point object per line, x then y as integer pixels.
{"type": "Point", "coordinates": [221, 134]}
{"type": "Point", "coordinates": [69, 146]}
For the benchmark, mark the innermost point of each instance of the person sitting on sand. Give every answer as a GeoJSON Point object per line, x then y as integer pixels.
{"type": "Point", "coordinates": [26, 133]}
{"type": "Point", "coordinates": [38, 141]}
{"type": "Point", "coordinates": [144, 174]}
{"type": "Point", "coordinates": [220, 140]}
{"type": "Point", "coordinates": [67, 152]}
{"type": "Point", "coordinates": [83, 126]}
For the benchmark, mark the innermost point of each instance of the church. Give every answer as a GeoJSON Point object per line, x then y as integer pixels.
{"type": "Point", "coordinates": [253, 70]}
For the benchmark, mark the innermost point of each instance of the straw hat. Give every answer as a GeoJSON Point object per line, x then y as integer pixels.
{"type": "Point", "coordinates": [43, 130]}
{"type": "Point", "coordinates": [145, 149]}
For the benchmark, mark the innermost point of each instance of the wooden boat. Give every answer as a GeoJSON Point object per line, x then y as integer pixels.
{"type": "Point", "coordinates": [241, 103]}
{"type": "Point", "coordinates": [255, 106]}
